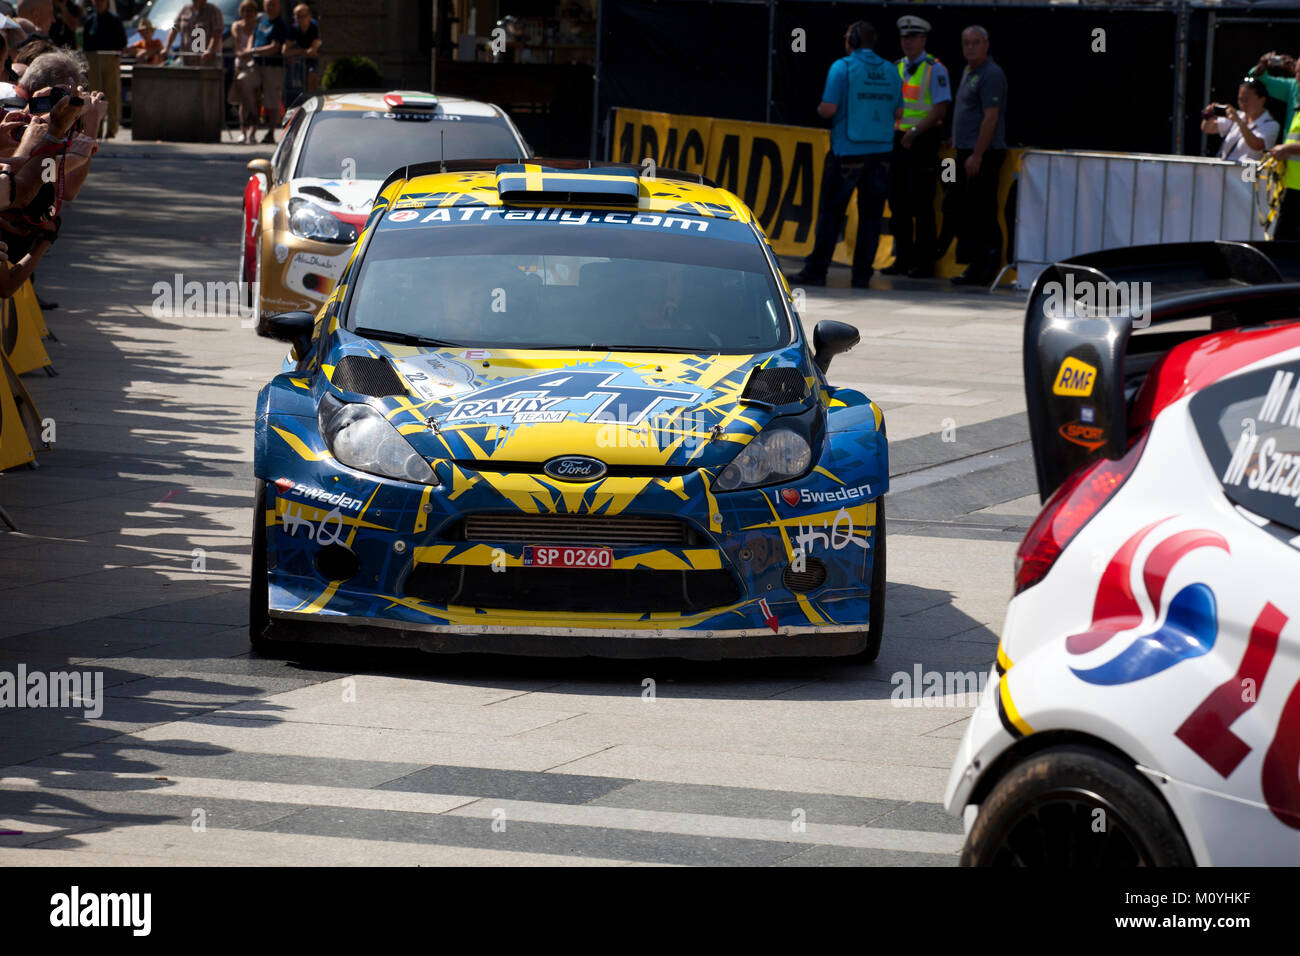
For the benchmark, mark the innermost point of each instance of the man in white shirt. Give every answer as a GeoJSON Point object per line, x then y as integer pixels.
{"type": "Point", "coordinates": [1247, 131]}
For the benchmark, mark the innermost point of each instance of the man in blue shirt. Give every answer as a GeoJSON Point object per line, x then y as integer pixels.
{"type": "Point", "coordinates": [863, 99]}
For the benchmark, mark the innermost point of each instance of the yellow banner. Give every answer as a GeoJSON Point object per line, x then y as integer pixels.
{"type": "Point", "coordinates": [775, 169]}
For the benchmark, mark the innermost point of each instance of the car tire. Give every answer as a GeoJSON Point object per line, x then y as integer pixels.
{"type": "Point", "coordinates": [876, 618]}
{"type": "Point", "coordinates": [259, 597]}
{"type": "Point", "coordinates": [1047, 810]}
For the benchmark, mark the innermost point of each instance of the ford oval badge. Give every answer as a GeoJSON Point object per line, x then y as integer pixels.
{"type": "Point", "coordinates": [574, 468]}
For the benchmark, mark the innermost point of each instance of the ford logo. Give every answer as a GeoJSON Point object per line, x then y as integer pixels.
{"type": "Point", "coordinates": [574, 468]}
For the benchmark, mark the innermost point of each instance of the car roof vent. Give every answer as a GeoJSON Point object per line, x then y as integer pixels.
{"type": "Point", "coordinates": [775, 386]}
{"type": "Point", "coordinates": [367, 376]}
{"type": "Point", "coordinates": [599, 185]}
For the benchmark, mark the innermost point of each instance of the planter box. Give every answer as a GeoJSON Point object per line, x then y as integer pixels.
{"type": "Point", "coordinates": [180, 103]}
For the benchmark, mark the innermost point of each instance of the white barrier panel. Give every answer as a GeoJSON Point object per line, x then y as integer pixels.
{"type": "Point", "coordinates": [1069, 203]}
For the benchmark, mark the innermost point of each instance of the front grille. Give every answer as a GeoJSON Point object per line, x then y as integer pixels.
{"type": "Point", "coordinates": [568, 589]}
{"type": "Point", "coordinates": [611, 471]}
{"type": "Point", "coordinates": [775, 386]}
{"type": "Point", "coordinates": [810, 578]}
{"type": "Point", "coordinates": [366, 375]}
{"type": "Point", "coordinates": [615, 531]}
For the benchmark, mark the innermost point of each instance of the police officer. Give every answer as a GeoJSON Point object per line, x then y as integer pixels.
{"type": "Point", "coordinates": [915, 169]}
{"type": "Point", "coordinates": [863, 98]}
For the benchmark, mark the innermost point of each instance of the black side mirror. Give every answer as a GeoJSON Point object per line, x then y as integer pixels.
{"type": "Point", "coordinates": [830, 338]}
{"type": "Point", "coordinates": [295, 327]}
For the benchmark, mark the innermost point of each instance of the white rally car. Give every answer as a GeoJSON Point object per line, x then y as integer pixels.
{"type": "Point", "coordinates": [305, 207]}
{"type": "Point", "coordinates": [1146, 702]}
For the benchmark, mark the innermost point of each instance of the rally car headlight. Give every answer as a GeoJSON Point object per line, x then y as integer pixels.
{"type": "Point", "coordinates": [361, 438]}
{"type": "Point", "coordinates": [776, 454]}
{"type": "Point", "coordinates": [310, 221]}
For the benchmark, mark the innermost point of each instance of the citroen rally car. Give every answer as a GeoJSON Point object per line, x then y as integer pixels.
{"type": "Point", "coordinates": [305, 205]}
{"type": "Point", "coordinates": [564, 410]}
{"type": "Point", "coordinates": [1146, 702]}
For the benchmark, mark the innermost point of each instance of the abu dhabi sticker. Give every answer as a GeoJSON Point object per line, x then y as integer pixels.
{"type": "Point", "coordinates": [405, 215]}
{"type": "Point", "coordinates": [435, 376]}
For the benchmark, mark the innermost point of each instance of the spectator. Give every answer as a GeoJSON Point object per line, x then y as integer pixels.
{"type": "Point", "coordinates": [1280, 87]}
{"type": "Point", "coordinates": [28, 52]}
{"type": "Point", "coordinates": [7, 90]}
{"type": "Point", "coordinates": [103, 38]}
{"type": "Point", "coordinates": [103, 30]}
{"type": "Point", "coordinates": [1248, 130]}
{"type": "Point", "coordinates": [246, 88]}
{"type": "Point", "coordinates": [1288, 216]}
{"type": "Point", "coordinates": [979, 136]}
{"type": "Point", "coordinates": [68, 17]}
{"type": "Point", "coordinates": [53, 85]}
{"type": "Point", "coordinates": [148, 50]}
{"type": "Point", "coordinates": [864, 98]}
{"type": "Point", "coordinates": [199, 27]}
{"type": "Point", "coordinates": [40, 13]}
{"type": "Point", "coordinates": [302, 43]}
{"type": "Point", "coordinates": [11, 38]}
{"type": "Point", "coordinates": [268, 44]}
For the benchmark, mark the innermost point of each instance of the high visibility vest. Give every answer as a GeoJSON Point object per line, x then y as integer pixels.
{"type": "Point", "coordinates": [1292, 177]}
{"type": "Point", "coordinates": [916, 92]}
{"type": "Point", "coordinates": [872, 98]}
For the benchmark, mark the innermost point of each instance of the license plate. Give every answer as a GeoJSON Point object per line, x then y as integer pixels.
{"type": "Point", "coordinates": [551, 556]}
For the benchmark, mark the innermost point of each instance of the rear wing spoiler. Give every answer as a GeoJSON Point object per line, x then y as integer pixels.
{"type": "Point", "coordinates": [1083, 362]}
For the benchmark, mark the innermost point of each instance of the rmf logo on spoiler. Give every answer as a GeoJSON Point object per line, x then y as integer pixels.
{"type": "Point", "coordinates": [1074, 378]}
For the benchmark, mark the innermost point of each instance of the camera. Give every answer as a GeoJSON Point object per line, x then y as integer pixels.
{"type": "Point", "coordinates": [1219, 110]}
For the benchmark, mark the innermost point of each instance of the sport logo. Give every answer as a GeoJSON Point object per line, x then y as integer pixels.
{"type": "Point", "coordinates": [1190, 624]}
{"type": "Point", "coordinates": [535, 398]}
{"type": "Point", "coordinates": [574, 468]}
{"type": "Point", "coordinates": [1090, 437]}
{"type": "Point", "coordinates": [797, 496]}
{"type": "Point", "coordinates": [287, 486]}
{"type": "Point", "coordinates": [1074, 378]}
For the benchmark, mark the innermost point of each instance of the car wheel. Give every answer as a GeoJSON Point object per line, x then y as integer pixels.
{"type": "Point", "coordinates": [1075, 807]}
{"type": "Point", "coordinates": [876, 619]}
{"type": "Point", "coordinates": [259, 598]}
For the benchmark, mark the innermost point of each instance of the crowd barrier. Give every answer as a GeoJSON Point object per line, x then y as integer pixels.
{"type": "Point", "coordinates": [22, 349]}
{"type": "Point", "coordinates": [1071, 203]}
{"type": "Point", "coordinates": [777, 171]}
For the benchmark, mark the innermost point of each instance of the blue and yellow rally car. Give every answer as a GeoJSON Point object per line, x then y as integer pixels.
{"type": "Point", "coordinates": [566, 410]}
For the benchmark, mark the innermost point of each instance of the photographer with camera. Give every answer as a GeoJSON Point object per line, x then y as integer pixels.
{"type": "Point", "coordinates": [47, 134]}
{"type": "Point", "coordinates": [1279, 74]}
{"type": "Point", "coordinates": [1248, 130]}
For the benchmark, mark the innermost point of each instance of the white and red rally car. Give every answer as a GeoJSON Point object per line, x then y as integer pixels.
{"type": "Point", "coordinates": [1146, 706]}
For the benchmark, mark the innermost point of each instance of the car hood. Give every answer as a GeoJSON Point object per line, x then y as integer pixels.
{"type": "Point", "coordinates": [349, 199]}
{"type": "Point", "coordinates": [674, 411]}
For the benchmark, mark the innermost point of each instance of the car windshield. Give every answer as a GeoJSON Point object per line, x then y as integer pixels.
{"type": "Point", "coordinates": [633, 282]}
{"type": "Point", "coordinates": [347, 145]}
